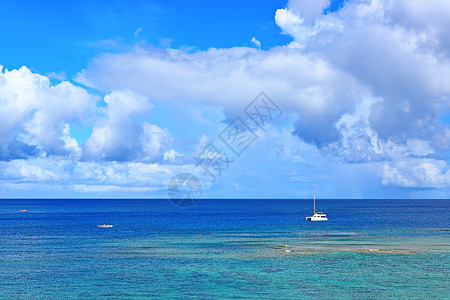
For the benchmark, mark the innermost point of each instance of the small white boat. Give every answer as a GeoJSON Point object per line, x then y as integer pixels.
{"type": "Point", "coordinates": [317, 216]}
{"type": "Point", "coordinates": [105, 226]}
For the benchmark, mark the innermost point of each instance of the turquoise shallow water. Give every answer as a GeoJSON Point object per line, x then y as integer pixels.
{"type": "Point", "coordinates": [224, 249]}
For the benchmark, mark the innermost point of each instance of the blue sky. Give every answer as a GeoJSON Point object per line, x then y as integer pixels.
{"type": "Point", "coordinates": [113, 99]}
{"type": "Point", "coordinates": [55, 36]}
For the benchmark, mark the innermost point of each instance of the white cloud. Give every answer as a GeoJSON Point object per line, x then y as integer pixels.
{"type": "Point", "coordinates": [289, 22]}
{"type": "Point", "coordinates": [33, 170]}
{"type": "Point", "coordinates": [231, 78]}
{"type": "Point", "coordinates": [256, 42]}
{"type": "Point", "coordinates": [119, 137]}
{"type": "Point", "coordinates": [174, 157]}
{"type": "Point", "coordinates": [399, 51]}
{"type": "Point", "coordinates": [304, 31]}
{"type": "Point", "coordinates": [425, 173]}
{"type": "Point", "coordinates": [138, 31]}
{"type": "Point", "coordinates": [397, 63]}
{"type": "Point", "coordinates": [366, 83]}
{"type": "Point", "coordinates": [70, 143]}
{"type": "Point", "coordinates": [428, 17]}
{"type": "Point", "coordinates": [98, 178]}
{"type": "Point", "coordinates": [59, 76]}
{"type": "Point", "coordinates": [36, 118]}
{"type": "Point", "coordinates": [309, 10]}
{"type": "Point", "coordinates": [34, 114]}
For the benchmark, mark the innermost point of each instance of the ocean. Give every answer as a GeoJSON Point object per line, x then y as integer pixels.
{"type": "Point", "coordinates": [227, 249]}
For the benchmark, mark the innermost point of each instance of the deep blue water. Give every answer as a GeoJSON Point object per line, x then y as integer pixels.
{"type": "Point", "coordinates": [224, 249]}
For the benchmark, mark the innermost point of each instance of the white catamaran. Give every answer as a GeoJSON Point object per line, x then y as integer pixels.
{"type": "Point", "coordinates": [317, 216]}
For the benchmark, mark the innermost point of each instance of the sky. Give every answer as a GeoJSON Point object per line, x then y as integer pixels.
{"type": "Point", "coordinates": [257, 99]}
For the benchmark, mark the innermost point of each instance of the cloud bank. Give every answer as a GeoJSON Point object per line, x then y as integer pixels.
{"type": "Point", "coordinates": [366, 85]}
{"type": "Point", "coordinates": [37, 147]}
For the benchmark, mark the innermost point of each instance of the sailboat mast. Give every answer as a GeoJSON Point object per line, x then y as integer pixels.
{"type": "Point", "coordinates": [314, 203]}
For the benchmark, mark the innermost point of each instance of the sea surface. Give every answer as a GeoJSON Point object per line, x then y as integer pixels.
{"type": "Point", "coordinates": [233, 249]}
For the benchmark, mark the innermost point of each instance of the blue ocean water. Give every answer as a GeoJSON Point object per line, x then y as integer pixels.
{"type": "Point", "coordinates": [254, 249]}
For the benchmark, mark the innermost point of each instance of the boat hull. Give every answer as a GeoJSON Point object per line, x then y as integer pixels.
{"type": "Point", "coordinates": [316, 219]}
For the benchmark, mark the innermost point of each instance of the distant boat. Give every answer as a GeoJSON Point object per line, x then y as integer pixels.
{"type": "Point", "coordinates": [105, 226]}
{"type": "Point", "coordinates": [317, 216]}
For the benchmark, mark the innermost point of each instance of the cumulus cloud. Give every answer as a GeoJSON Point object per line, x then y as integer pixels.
{"type": "Point", "coordinates": [397, 62]}
{"type": "Point", "coordinates": [424, 173]}
{"type": "Point", "coordinates": [302, 84]}
{"type": "Point", "coordinates": [308, 10]}
{"type": "Point", "coordinates": [430, 17]}
{"type": "Point", "coordinates": [366, 83]}
{"type": "Point", "coordinates": [35, 115]}
{"type": "Point", "coordinates": [117, 136]}
{"type": "Point", "coordinates": [304, 24]}
{"type": "Point", "coordinates": [36, 118]}
{"type": "Point", "coordinates": [398, 50]}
